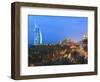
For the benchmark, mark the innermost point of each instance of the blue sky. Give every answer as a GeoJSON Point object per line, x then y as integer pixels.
{"type": "Point", "coordinates": [56, 28]}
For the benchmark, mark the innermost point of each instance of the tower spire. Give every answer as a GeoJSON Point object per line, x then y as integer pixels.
{"type": "Point", "coordinates": [35, 25]}
{"type": "Point", "coordinates": [37, 35]}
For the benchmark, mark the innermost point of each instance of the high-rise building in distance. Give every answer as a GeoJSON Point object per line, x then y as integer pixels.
{"type": "Point", "coordinates": [37, 36]}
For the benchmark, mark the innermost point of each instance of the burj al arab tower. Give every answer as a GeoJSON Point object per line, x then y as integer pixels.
{"type": "Point", "coordinates": [37, 36]}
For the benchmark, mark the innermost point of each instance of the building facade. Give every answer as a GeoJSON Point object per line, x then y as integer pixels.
{"type": "Point", "coordinates": [37, 36]}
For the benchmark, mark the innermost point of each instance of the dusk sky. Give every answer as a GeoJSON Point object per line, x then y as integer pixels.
{"type": "Point", "coordinates": [57, 28]}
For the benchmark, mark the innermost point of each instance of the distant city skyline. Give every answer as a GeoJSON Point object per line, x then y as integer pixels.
{"type": "Point", "coordinates": [57, 28]}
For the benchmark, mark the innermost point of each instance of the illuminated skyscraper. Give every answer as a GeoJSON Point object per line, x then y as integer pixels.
{"type": "Point", "coordinates": [85, 36]}
{"type": "Point", "coordinates": [37, 36]}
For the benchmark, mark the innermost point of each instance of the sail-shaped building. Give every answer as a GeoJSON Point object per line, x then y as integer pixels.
{"type": "Point", "coordinates": [37, 36]}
